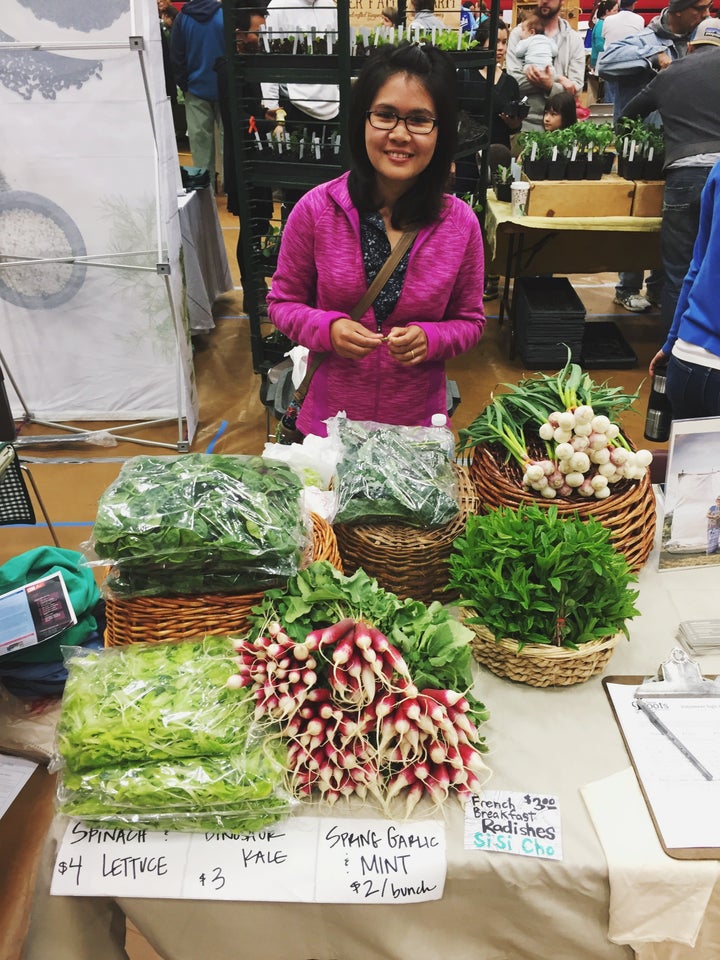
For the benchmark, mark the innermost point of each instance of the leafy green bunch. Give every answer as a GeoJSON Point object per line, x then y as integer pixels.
{"type": "Point", "coordinates": [527, 404]}
{"type": "Point", "coordinates": [536, 577]}
{"type": "Point", "coordinates": [435, 646]}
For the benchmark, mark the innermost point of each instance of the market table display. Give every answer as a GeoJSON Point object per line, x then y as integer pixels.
{"type": "Point", "coordinates": [525, 246]}
{"type": "Point", "coordinates": [551, 741]}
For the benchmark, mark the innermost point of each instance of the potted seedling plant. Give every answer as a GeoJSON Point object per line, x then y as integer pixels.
{"type": "Point", "coordinates": [535, 152]}
{"type": "Point", "coordinates": [502, 178]}
{"type": "Point", "coordinates": [655, 154]}
{"type": "Point", "coordinates": [557, 162]}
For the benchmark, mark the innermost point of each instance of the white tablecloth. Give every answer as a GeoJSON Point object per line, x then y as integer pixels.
{"type": "Point", "coordinates": [205, 263]}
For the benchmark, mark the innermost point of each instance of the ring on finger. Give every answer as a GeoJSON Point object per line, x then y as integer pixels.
{"type": "Point", "coordinates": [412, 354]}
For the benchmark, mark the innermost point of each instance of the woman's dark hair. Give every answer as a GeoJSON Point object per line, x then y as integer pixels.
{"type": "Point", "coordinates": [564, 104]}
{"type": "Point", "coordinates": [435, 70]}
{"type": "Point", "coordinates": [482, 34]}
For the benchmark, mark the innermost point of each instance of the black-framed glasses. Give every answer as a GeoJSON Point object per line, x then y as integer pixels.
{"type": "Point", "coordinates": [388, 120]}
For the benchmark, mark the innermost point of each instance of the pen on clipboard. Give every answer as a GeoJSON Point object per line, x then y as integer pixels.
{"type": "Point", "coordinates": [666, 732]}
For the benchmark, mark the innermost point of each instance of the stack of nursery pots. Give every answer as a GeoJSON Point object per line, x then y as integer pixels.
{"type": "Point", "coordinates": [579, 152]}
{"type": "Point", "coordinates": [553, 440]}
{"type": "Point", "coordinates": [641, 150]}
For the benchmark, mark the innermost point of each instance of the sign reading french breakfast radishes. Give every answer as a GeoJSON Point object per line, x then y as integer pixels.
{"type": "Point", "coordinates": [504, 821]}
{"type": "Point", "coordinates": [304, 859]}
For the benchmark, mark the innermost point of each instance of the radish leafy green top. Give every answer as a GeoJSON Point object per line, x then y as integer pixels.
{"type": "Point", "coordinates": [199, 524]}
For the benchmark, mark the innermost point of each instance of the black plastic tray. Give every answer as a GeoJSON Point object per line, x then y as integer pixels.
{"type": "Point", "coordinates": [604, 346]}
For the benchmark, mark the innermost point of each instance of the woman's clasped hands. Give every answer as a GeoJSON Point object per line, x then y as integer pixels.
{"type": "Point", "coordinates": [351, 340]}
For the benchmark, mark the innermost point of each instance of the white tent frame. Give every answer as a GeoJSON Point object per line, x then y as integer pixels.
{"type": "Point", "coordinates": [162, 268]}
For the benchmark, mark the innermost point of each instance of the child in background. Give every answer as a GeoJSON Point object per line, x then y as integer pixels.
{"type": "Point", "coordinates": [535, 49]}
{"type": "Point", "coordinates": [560, 111]}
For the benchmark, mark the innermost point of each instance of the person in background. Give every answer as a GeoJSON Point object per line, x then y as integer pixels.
{"type": "Point", "coordinates": [390, 365]}
{"type": "Point", "coordinates": [534, 48]}
{"type": "Point", "coordinates": [625, 23]}
{"type": "Point", "coordinates": [686, 97]}
{"type": "Point", "coordinates": [252, 116]}
{"type": "Point", "coordinates": [468, 18]}
{"type": "Point", "coordinates": [692, 348]}
{"type": "Point", "coordinates": [566, 73]}
{"type": "Point", "coordinates": [196, 42]}
{"type": "Point", "coordinates": [167, 14]}
{"type": "Point", "coordinates": [505, 121]}
{"type": "Point", "coordinates": [604, 9]}
{"type": "Point", "coordinates": [390, 17]}
{"type": "Point", "coordinates": [629, 64]}
{"type": "Point", "coordinates": [560, 111]}
{"type": "Point", "coordinates": [306, 109]}
{"type": "Point", "coordinates": [424, 19]}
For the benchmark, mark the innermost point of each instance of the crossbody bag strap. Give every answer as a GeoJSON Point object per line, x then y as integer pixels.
{"type": "Point", "coordinates": [384, 274]}
{"type": "Point", "coordinates": [369, 297]}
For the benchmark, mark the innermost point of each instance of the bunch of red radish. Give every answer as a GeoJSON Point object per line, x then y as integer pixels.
{"type": "Point", "coordinates": [355, 722]}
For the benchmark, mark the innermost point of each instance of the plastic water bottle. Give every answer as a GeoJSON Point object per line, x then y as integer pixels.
{"type": "Point", "coordinates": [659, 414]}
{"type": "Point", "coordinates": [442, 434]}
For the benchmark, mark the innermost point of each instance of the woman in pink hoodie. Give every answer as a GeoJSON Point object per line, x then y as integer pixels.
{"type": "Point", "coordinates": [390, 365]}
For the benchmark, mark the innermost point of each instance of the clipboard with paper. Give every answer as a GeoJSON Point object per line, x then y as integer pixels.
{"type": "Point", "coordinates": [670, 725]}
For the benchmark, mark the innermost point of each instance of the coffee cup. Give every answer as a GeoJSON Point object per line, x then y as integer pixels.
{"type": "Point", "coordinates": [519, 191]}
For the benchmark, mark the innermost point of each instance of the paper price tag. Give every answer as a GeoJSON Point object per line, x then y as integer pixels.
{"type": "Point", "coordinates": [526, 824]}
{"type": "Point", "coordinates": [304, 860]}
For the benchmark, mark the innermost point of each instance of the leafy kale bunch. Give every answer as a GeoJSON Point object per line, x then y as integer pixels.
{"type": "Point", "coordinates": [394, 473]}
{"type": "Point", "coordinates": [435, 646]}
{"type": "Point", "coordinates": [199, 524]}
{"type": "Point", "coordinates": [536, 577]}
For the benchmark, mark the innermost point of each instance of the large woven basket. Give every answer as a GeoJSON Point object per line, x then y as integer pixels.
{"type": "Point", "coordinates": [405, 560]}
{"type": "Point", "coordinates": [158, 619]}
{"type": "Point", "coordinates": [538, 664]}
{"type": "Point", "coordinates": [629, 511]}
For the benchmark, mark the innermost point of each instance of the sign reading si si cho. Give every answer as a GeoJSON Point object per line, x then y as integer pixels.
{"type": "Point", "coordinates": [304, 859]}
{"type": "Point", "coordinates": [526, 824]}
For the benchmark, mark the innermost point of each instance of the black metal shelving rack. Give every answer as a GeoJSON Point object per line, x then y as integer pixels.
{"type": "Point", "coordinates": [252, 169]}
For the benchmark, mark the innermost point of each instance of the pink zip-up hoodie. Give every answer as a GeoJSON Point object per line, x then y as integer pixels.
{"type": "Point", "coordinates": [320, 263]}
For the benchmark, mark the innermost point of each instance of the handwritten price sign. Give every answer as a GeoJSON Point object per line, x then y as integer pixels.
{"type": "Point", "coordinates": [526, 824]}
{"type": "Point", "coordinates": [304, 859]}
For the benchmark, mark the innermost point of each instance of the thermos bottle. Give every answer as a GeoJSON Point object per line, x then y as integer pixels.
{"type": "Point", "coordinates": [659, 414]}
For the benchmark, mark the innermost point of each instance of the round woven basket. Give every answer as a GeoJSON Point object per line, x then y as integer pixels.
{"type": "Point", "coordinates": [405, 560]}
{"type": "Point", "coordinates": [158, 619]}
{"type": "Point", "coordinates": [628, 513]}
{"type": "Point", "coordinates": [538, 664]}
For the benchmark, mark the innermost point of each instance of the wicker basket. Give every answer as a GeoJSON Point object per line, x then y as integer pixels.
{"type": "Point", "coordinates": [158, 619]}
{"type": "Point", "coordinates": [629, 511]}
{"type": "Point", "coordinates": [537, 664]}
{"type": "Point", "coordinates": [406, 560]}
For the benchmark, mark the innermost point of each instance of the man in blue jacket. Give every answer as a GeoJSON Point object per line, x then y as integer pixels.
{"type": "Point", "coordinates": [196, 43]}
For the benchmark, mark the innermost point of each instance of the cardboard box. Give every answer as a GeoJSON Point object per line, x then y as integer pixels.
{"type": "Point", "coordinates": [609, 197]}
{"type": "Point", "coordinates": [648, 199]}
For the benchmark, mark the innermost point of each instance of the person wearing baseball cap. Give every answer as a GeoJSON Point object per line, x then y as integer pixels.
{"type": "Point", "coordinates": [685, 95]}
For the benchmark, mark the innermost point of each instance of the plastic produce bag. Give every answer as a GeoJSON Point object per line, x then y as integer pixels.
{"type": "Point", "coordinates": [150, 735]}
{"type": "Point", "coordinates": [394, 473]}
{"type": "Point", "coordinates": [145, 702]}
{"type": "Point", "coordinates": [201, 523]}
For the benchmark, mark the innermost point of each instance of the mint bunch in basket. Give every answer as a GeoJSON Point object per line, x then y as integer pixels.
{"type": "Point", "coordinates": [534, 576]}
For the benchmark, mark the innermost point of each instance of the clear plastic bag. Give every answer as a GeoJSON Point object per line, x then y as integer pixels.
{"type": "Point", "coordinates": [394, 473]}
{"type": "Point", "coordinates": [148, 702]}
{"type": "Point", "coordinates": [150, 735]}
{"type": "Point", "coordinates": [201, 523]}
